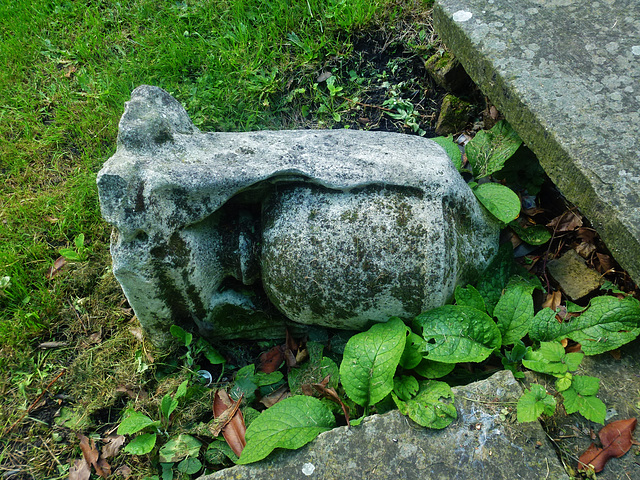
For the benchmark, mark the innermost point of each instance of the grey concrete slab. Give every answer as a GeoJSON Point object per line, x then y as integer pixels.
{"type": "Point", "coordinates": [566, 74]}
{"type": "Point", "coordinates": [484, 443]}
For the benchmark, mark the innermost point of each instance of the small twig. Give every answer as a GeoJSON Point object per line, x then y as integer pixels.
{"type": "Point", "coordinates": [49, 450]}
{"type": "Point", "coordinates": [78, 316]}
{"type": "Point", "coordinates": [35, 402]}
{"type": "Point", "coordinates": [488, 402]}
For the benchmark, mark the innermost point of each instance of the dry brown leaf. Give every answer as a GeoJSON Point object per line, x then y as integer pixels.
{"type": "Point", "coordinates": [276, 396]}
{"type": "Point", "coordinates": [553, 300]}
{"type": "Point", "coordinates": [226, 411]}
{"type": "Point", "coordinates": [585, 249]}
{"type": "Point", "coordinates": [606, 264]}
{"type": "Point", "coordinates": [92, 456]}
{"type": "Point", "coordinates": [113, 444]}
{"type": "Point", "coordinates": [587, 235]}
{"type": "Point", "coordinates": [137, 332]}
{"type": "Point", "coordinates": [271, 360]}
{"type": "Point", "coordinates": [566, 222]}
{"type": "Point", "coordinates": [332, 395]}
{"type": "Point", "coordinates": [56, 268]}
{"type": "Point", "coordinates": [80, 470]}
{"type": "Point", "coordinates": [616, 440]}
{"type": "Point", "coordinates": [124, 471]}
{"type": "Point", "coordinates": [46, 345]}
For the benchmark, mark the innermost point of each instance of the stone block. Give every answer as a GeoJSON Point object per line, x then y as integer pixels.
{"type": "Point", "coordinates": [240, 233]}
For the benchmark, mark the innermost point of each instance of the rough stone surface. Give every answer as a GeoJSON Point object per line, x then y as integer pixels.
{"type": "Point", "coordinates": [566, 74]}
{"type": "Point", "coordinates": [454, 115]}
{"type": "Point", "coordinates": [447, 72]}
{"type": "Point", "coordinates": [337, 227]}
{"type": "Point", "coordinates": [484, 442]}
{"type": "Point", "coordinates": [573, 275]}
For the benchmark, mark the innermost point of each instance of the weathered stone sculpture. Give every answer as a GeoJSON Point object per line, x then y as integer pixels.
{"type": "Point", "coordinates": [240, 233]}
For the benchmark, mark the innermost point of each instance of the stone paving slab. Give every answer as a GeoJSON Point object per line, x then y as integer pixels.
{"type": "Point", "coordinates": [484, 443]}
{"type": "Point", "coordinates": [566, 75]}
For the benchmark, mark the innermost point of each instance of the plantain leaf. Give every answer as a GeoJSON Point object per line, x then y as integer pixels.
{"type": "Point", "coordinates": [490, 149]}
{"type": "Point", "coordinates": [370, 360]}
{"type": "Point", "coordinates": [455, 333]}
{"type": "Point", "coordinates": [607, 324]}
{"type": "Point", "coordinates": [432, 407]}
{"type": "Point", "coordinates": [501, 201]}
{"type": "Point", "coordinates": [290, 423]}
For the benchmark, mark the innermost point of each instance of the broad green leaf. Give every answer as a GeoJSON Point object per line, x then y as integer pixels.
{"type": "Point", "coordinates": [533, 235]}
{"type": "Point", "coordinates": [607, 324]}
{"type": "Point", "coordinates": [514, 311]}
{"type": "Point", "coordinates": [210, 353]}
{"type": "Point", "coordinates": [179, 447]}
{"type": "Point", "coordinates": [182, 335]}
{"type": "Point", "coordinates": [470, 297]}
{"type": "Point", "coordinates": [551, 359]}
{"type": "Point", "coordinates": [142, 444]}
{"type": "Point", "coordinates": [564, 382]}
{"type": "Point", "coordinates": [430, 369]}
{"type": "Point", "coordinates": [405, 387]}
{"type": "Point", "coordinates": [370, 360]}
{"type": "Point", "coordinates": [452, 149]}
{"type": "Point", "coordinates": [181, 391]}
{"type": "Point", "coordinates": [218, 450]}
{"type": "Point", "coordinates": [70, 254]}
{"type": "Point", "coordinates": [585, 385]}
{"type": "Point", "coordinates": [135, 422]}
{"type": "Point", "coordinates": [496, 276]}
{"type": "Point", "coordinates": [262, 379]}
{"type": "Point", "coordinates": [412, 354]}
{"type": "Point", "coordinates": [73, 418]}
{"type": "Point", "coordinates": [580, 397]}
{"type": "Point", "coordinates": [167, 471]}
{"type": "Point", "coordinates": [544, 326]}
{"type": "Point", "coordinates": [456, 334]}
{"type": "Point", "coordinates": [168, 405]}
{"type": "Point", "coordinates": [189, 465]}
{"type": "Point", "coordinates": [501, 201]}
{"type": "Point", "coordinates": [290, 423]}
{"type": "Point", "coordinates": [432, 407]}
{"type": "Point", "coordinates": [490, 149]}
{"type": "Point", "coordinates": [534, 403]}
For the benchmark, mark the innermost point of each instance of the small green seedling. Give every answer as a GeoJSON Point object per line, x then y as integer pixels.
{"type": "Point", "coordinates": [79, 254]}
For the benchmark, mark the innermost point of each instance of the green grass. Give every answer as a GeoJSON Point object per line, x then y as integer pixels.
{"type": "Point", "coordinates": [68, 68]}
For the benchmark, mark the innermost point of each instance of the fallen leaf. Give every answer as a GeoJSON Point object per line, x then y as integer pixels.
{"type": "Point", "coordinates": [46, 345]}
{"type": "Point", "coordinates": [585, 249]}
{"type": "Point", "coordinates": [226, 411]}
{"type": "Point", "coordinates": [124, 471]}
{"type": "Point", "coordinates": [616, 441]}
{"type": "Point", "coordinates": [55, 269]}
{"type": "Point", "coordinates": [323, 76]}
{"type": "Point", "coordinates": [276, 396]}
{"type": "Point", "coordinates": [137, 332]}
{"type": "Point", "coordinates": [566, 222]}
{"type": "Point", "coordinates": [271, 360]}
{"type": "Point", "coordinates": [132, 392]}
{"type": "Point", "coordinates": [606, 264]}
{"type": "Point", "coordinates": [553, 300]}
{"type": "Point", "coordinates": [113, 444]}
{"type": "Point", "coordinates": [587, 235]}
{"type": "Point", "coordinates": [331, 394]}
{"type": "Point", "coordinates": [80, 470]}
{"type": "Point", "coordinates": [92, 456]}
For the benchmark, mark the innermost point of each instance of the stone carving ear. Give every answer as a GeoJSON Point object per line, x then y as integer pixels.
{"type": "Point", "coordinates": [151, 119]}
